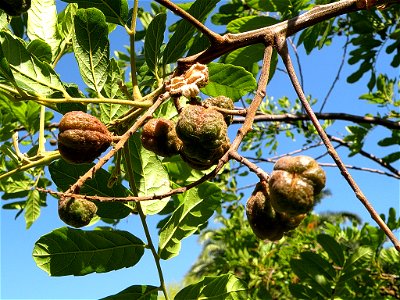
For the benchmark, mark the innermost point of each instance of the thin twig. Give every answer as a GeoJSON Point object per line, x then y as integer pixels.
{"type": "Point", "coordinates": [283, 52]}
{"type": "Point", "coordinates": [124, 138]}
{"type": "Point", "coordinates": [337, 74]}
{"type": "Point", "coordinates": [212, 36]}
{"type": "Point", "coordinates": [263, 117]}
{"type": "Point", "coordinates": [367, 155]}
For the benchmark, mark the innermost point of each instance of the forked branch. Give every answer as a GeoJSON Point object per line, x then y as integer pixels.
{"type": "Point", "coordinates": [284, 53]}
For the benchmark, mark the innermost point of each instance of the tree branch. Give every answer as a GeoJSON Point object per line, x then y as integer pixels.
{"type": "Point", "coordinates": [283, 52]}
{"type": "Point", "coordinates": [261, 117]}
{"type": "Point", "coordinates": [266, 35]}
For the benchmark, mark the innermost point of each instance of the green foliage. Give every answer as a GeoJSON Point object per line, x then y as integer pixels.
{"type": "Point", "coordinates": [320, 259]}
{"type": "Point", "coordinates": [65, 251]}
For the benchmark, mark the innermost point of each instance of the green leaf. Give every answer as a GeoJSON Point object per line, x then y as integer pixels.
{"type": "Point", "coordinates": [32, 208]}
{"type": "Point", "coordinates": [361, 255]}
{"type": "Point", "coordinates": [248, 23]}
{"type": "Point", "coordinates": [153, 41]}
{"type": "Point", "coordinates": [225, 286]}
{"type": "Point", "coordinates": [41, 50]}
{"type": "Point", "coordinates": [64, 175]}
{"type": "Point", "coordinates": [151, 178]}
{"type": "Point", "coordinates": [137, 292]}
{"type": "Point", "coordinates": [392, 157]}
{"type": "Point", "coordinates": [92, 47]}
{"type": "Point", "coordinates": [115, 11]}
{"type": "Point", "coordinates": [197, 206]}
{"type": "Point", "coordinates": [42, 23]}
{"type": "Point", "coordinates": [177, 44]}
{"type": "Point", "coordinates": [67, 251]}
{"type": "Point", "coordinates": [228, 80]}
{"type": "Point", "coordinates": [333, 248]}
{"type": "Point", "coordinates": [31, 74]}
{"type": "Point", "coordinates": [314, 270]}
{"type": "Point", "coordinates": [246, 56]}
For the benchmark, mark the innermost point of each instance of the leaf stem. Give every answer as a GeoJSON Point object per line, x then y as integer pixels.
{"type": "Point", "coordinates": [132, 33]}
{"type": "Point", "coordinates": [42, 119]}
{"type": "Point", "coordinates": [150, 244]}
{"type": "Point", "coordinates": [47, 159]}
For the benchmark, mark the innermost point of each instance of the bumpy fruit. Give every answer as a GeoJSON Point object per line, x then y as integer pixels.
{"type": "Point", "coordinates": [221, 102]}
{"type": "Point", "coordinates": [203, 133]}
{"type": "Point", "coordinates": [265, 222]}
{"type": "Point", "coordinates": [15, 7]}
{"type": "Point", "coordinates": [294, 183]}
{"type": "Point", "coordinates": [76, 212]}
{"type": "Point", "coordinates": [82, 137]}
{"type": "Point", "coordinates": [159, 136]}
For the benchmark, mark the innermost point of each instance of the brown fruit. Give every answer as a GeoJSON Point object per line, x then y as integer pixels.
{"type": "Point", "coordinates": [203, 133]}
{"type": "Point", "coordinates": [76, 212]}
{"type": "Point", "coordinates": [221, 102]}
{"type": "Point", "coordinates": [201, 126]}
{"type": "Point", "coordinates": [265, 222]}
{"type": "Point", "coordinates": [294, 183]}
{"type": "Point", "coordinates": [261, 216]}
{"type": "Point", "coordinates": [82, 137]}
{"type": "Point", "coordinates": [159, 136]}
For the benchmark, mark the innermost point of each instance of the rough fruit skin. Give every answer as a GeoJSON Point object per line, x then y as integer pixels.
{"type": "Point", "coordinates": [221, 102]}
{"type": "Point", "coordinates": [294, 183]}
{"type": "Point", "coordinates": [202, 126]}
{"type": "Point", "coordinates": [203, 133]}
{"type": "Point", "coordinates": [82, 137]}
{"type": "Point", "coordinates": [76, 212]}
{"type": "Point", "coordinates": [265, 222]}
{"type": "Point", "coordinates": [261, 216]}
{"type": "Point", "coordinates": [159, 136]}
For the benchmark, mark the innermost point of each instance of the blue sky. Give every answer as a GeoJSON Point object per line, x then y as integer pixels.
{"type": "Point", "coordinates": [22, 279]}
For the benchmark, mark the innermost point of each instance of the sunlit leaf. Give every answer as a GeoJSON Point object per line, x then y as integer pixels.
{"type": "Point", "coordinates": [137, 292]}
{"type": "Point", "coordinates": [196, 208]}
{"type": "Point", "coordinates": [31, 74]}
{"type": "Point", "coordinates": [67, 251]}
{"type": "Point", "coordinates": [42, 23]}
{"type": "Point", "coordinates": [64, 175]}
{"type": "Point", "coordinates": [153, 41]}
{"type": "Point", "coordinates": [151, 178]}
{"type": "Point", "coordinates": [224, 287]}
{"type": "Point", "coordinates": [178, 43]}
{"type": "Point", "coordinates": [91, 47]}
{"type": "Point", "coordinates": [115, 11]}
{"type": "Point", "coordinates": [32, 208]}
{"type": "Point", "coordinates": [228, 80]}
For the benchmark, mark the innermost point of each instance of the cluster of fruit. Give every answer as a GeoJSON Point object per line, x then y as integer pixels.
{"type": "Point", "coordinates": [279, 205]}
{"type": "Point", "coordinates": [199, 135]}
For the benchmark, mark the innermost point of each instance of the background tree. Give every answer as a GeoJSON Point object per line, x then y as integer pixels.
{"type": "Point", "coordinates": [158, 78]}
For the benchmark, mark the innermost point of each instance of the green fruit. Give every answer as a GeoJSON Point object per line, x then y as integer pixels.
{"type": "Point", "coordinates": [294, 183]}
{"type": "Point", "coordinates": [82, 137]}
{"type": "Point", "coordinates": [159, 136]}
{"type": "Point", "coordinates": [221, 102]}
{"type": "Point", "coordinates": [76, 212]}
{"type": "Point", "coordinates": [15, 7]}
{"type": "Point", "coordinates": [201, 126]}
